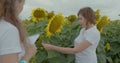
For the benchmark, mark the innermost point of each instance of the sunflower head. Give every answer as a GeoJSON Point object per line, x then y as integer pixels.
{"type": "Point", "coordinates": [103, 21]}
{"type": "Point", "coordinates": [38, 14]}
{"type": "Point", "coordinates": [50, 15]}
{"type": "Point", "coordinates": [72, 18]}
{"type": "Point", "coordinates": [97, 14]}
{"type": "Point", "coordinates": [55, 24]}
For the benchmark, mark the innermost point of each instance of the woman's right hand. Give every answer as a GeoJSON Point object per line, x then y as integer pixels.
{"type": "Point", "coordinates": [48, 46]}
{"type": "Point", "coordinates": [30, 51]}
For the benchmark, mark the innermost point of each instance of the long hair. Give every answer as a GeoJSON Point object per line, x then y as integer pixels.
{"type": "Point", "coordinates": [88, 14]}
{"type": "Point", "coordinates": [8, 13]}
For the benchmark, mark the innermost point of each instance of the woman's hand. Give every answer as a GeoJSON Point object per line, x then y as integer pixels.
{"type": "Point", "coordinates": [30, 51]}
{"type": "Point", "coordinates": [48, 46]}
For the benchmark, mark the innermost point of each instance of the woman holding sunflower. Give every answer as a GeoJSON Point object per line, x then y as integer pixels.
{"type": "Point", "coordinates": [14, 47]}
{"type": "Point", "coordinates": [87, 41]}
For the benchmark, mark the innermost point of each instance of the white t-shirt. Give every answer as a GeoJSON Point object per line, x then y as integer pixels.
{"type": "Point", "coordinates": [9, 39]}
{"type": "Point", "coordinates": [88, 55]}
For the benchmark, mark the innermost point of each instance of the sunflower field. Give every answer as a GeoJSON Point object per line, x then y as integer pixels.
{"type": "Point", "coordinates": [59, 30]}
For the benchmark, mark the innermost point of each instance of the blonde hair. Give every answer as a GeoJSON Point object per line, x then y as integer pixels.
{"type": "Point", "coordinates": [8, 13]}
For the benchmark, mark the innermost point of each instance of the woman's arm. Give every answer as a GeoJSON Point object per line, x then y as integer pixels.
{"type": "Point", "coordinates": [78, 48]}
{"type": "Point", "coordinates": [30, 51]}
{"type": "Point", "coordinates": [10, 58]}
{"type": "Point", "coordinates": [13, 58]}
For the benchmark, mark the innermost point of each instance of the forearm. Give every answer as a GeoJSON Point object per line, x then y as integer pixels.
{"type": "Point", "coordinates": [64, 50]}
{"type": "Point", "coordinates": [9, 58]}
{"type": "Point", "coordinates": [78, 48]}
{"type": "Point", "coordinates": [29, 52]}
{"type": "Point", "coordinates": [26, 58]}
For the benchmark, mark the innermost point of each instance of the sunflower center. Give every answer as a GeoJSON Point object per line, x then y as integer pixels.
{"type": "Point", "coordinates": [39, 14]}
{"type": "Point", "coordinates": [55, 25]}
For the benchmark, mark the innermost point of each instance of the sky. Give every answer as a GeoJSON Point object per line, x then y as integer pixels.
{"type": "Point", "coordinates": [67, 7]}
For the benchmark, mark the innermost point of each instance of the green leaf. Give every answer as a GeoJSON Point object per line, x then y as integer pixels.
{"type": "Point", "coordinates": [58, 59]}
{"type": "Point", "coordinates": [52, 54]}
{"type": "Point", "coordinates": [41, 56]}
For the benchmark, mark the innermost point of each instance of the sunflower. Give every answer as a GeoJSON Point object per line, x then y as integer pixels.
{"type": "Point", "coordinates": [50, 14]}
{"type": "Point", "coordinates": [103, 21]}
{"type": "Point", "coordinates": [72, 18]}
{"type": "Point", "coordinates": [97, 14]}
{"type": "Point", "coordinates": [38, 14]}
{"type": "Point", "coordinates": [55, 25]}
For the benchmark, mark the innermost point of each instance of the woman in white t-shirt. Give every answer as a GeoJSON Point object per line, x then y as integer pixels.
{"type": "Point", "coordinates": [12, 35]}
{"type": "Point", "coordinates": [87, 40]}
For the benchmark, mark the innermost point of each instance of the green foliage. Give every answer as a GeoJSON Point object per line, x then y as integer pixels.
{"type": "Point", "coordinates": [64, 39]}
{"type": "Point", "coordinates": [110, 34]}
{"type": "Point", "coordinates": [36, 27]}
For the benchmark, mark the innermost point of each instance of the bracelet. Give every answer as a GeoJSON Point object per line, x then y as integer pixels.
{"type": "Point", "coordinates": [23, 61]}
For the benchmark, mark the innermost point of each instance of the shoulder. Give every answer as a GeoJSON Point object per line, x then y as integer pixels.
{"type": "Point", "coordinates": [7, 27]}
{"type": "Point", "coordinates": [92, 35]}
{"type": "Point", "coordinates": [9, 38]}
{"type": "Point", "coordinates": [82, 30]}
{"type": "Point", "coordinates": [93, 31]}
